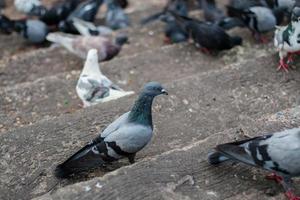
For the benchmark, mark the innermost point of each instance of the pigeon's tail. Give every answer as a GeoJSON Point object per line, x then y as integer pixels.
{"type": "Point", "coordinates": [62, 39]}
{"type": "Point", "coordinates": [230, 22]}
{"type": "Point", "coordinates": [215, 158]}
{"type": "Point", "coordinates": [83, 27]}
{"type": "Point", "coordinates": [85, 159]}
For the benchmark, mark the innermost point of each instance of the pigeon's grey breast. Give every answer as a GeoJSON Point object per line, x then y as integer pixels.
{"type": "Point", "coordinates": [131, 137]}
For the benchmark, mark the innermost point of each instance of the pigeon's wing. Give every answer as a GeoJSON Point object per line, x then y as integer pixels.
{"type": "Point", "coordinates": [246, 151]}
{"type": "Point", "coordinates": [108, 83]}
{"type": "Point", "coordinates": [115, 125]}
{"type": "Point", "coordinates": [90, 156]}
{"type": "Point", "coordinates": [277, 152]}
{"type": "Point", "coordinates": [91, 90]}
{"type": "Point", "coordinates": [129, 138]}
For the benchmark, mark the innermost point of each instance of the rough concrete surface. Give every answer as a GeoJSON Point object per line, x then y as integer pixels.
{"type": "Point", "coordinates": [213, 99]}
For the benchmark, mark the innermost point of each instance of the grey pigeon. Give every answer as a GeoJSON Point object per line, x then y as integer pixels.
{"type": "Point", "coordinates": [287, 40]}
{"type": "Point", "coordinates": [86, 28]}
{"type": "Point", "coordinates": [115, 17]}
{"type": "Point", "coordinates": [35, 31]}
{"type": "Point", "coordinates": [93, 87]}
{"type": "Point", "coordinates": [80, 45]}
{"type": "Point", "coordinates": [123, 138]}
{"type": "Point", "coordinates": [258, 19]}
{"type": "Point", "coordinates": [278, 153]}
{"type": "Point", "coordinates": [217, 16]}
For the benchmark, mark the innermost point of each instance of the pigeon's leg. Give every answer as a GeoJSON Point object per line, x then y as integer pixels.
{"type": "Point", "coordinates": [289, 192]}
{"type": "Point", "coordinates": [131, 158]}
{"type": "Point", "coordinates": [205, 50]}
{"type": "Point", "coordinates": [283, 65]}
{"type": "Point", "coordinates": [167, 40]}
{"type": "Point", "coordinates": [290, 58]}
{"type": "Point", "coordinates": [260, 38]}
{"type": "Point", "coordinates": [274, 177]}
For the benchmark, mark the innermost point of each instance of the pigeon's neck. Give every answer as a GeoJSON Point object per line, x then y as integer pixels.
{"type": "Point", "coordinates": [141, 112]}
{"type": "Point", "coordinates": [91, 67]}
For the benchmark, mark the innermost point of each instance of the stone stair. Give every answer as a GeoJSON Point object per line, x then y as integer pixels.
{"type": "Point", "coordinates": [213, 99]}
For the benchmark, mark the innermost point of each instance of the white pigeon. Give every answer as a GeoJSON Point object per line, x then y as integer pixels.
{"type": "Point", "coordinates": [93, 87]}
{"type": "Point", "coordinates": [27, 6]}
{"type": "Point", "coordinates": [86, 28]}
{"type": "Point", "coordinates": [287, 42]}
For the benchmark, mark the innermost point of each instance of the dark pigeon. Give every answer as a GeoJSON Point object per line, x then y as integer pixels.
{"type": "Point", "coordinates": [217, 16]}
{"type": "Point", "coordinates": [59, 12]}
{"type": "Point", "coordinates": [115, 17]}
{"type": "Point", "coordinates": [207, 36]}
{"type": "Point", "coordinates": [278, 153]}
{"type": "Point", "coordinates": [34, 31]}
{"type": "Point", "coordinates": [123, 138]}
{"type": "Point", "coordinates": [86, 11]}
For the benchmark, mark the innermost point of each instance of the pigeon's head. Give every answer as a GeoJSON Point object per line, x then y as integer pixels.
{"type": "Point", "coordinates": [236, 40]}
{"type": "Point", "coordinates": [296, 14]}
{"type": "Point", "coordinates": [154, 89]}
{"type": "Point", "coordinates": [121, 39]}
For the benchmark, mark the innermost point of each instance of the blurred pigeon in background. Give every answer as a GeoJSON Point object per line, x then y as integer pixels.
{"type": "Point", "coordinates": [207, 36]}
{"type": "Point", "coordinates": [287, 40]}
{"type": "Point", "coordinates": [123, 138]}
{"type": "Point", "coordinates": [88, 28]}
{"type": "Point", "coordinates": [30, 7]}
{"type": "Point", "coordinates": [115, 17]}
{"type": "Point", "coordinates": [59, 12]}
{"type": "Point", "coordinates": [258, 19]}
{"type": "Point", "coordinates": [80, 45]}
{"type": "Point", "coordinates": [86, 11]}
{"type": "Point", "coordinates": [217, 16]}
{"type": "Point", "coordinates": [278, 153]}
{"type": "Point", "coordinates": [34, 31]}
{"type": "Point", "coordinates": [93, 87]}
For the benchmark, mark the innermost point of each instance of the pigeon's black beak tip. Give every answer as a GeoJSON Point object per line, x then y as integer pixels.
{"type": "Point", "coordinates": [163, 91]}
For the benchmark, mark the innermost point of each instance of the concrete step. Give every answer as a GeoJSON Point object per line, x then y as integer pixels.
{"type": "Point", "coordinates": [28, 102]}
{"type": "Point", "coordinates": [184, 173]}
{"type": "Point", "coordinates": [198, 106]}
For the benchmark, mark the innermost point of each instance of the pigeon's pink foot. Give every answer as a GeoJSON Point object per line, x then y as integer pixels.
{"type": "Point", "coordinates": [291, 196]}
{"type": "Point", "coordinates": [274, 177]}
{"type": "Point", "coordinates": [264, 40]}
{"type": "Point", "coordinates": [205, 50]}
{"type": "Point", "coordinates": [290, 58]}
{"type": "Point", "coordinates": [80, 105]}
{"type": "Point", "coordinates": [283, 65]}
{"type": "Point", "coordinates": [167, 40]}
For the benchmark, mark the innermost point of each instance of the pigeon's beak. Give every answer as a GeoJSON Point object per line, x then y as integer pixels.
{"type": "Point", "coordinates": [163, 91]}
